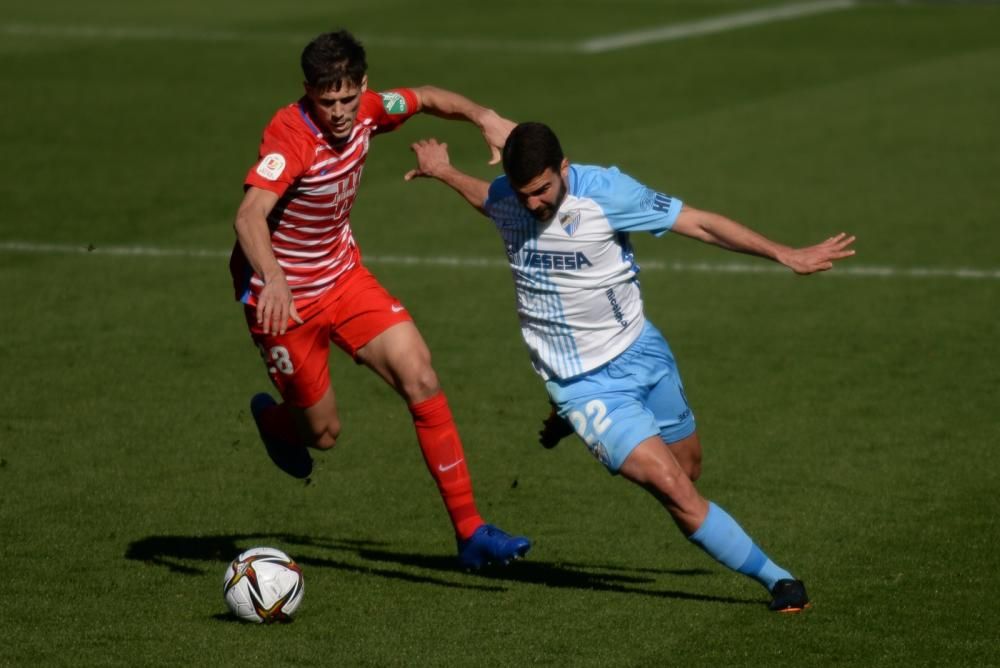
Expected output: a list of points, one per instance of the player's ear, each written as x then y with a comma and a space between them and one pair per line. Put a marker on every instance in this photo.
364, 83
564, 168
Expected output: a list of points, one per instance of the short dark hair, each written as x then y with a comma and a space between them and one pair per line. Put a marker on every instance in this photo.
530, 149
332, 59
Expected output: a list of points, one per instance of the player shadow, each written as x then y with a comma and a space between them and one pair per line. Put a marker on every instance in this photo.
566, 575
174, 552
368, 557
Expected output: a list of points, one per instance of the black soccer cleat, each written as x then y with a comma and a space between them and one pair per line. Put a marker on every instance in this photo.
292, 458
554, 429
789, 596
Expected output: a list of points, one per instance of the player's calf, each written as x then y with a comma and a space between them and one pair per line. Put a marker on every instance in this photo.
276, 429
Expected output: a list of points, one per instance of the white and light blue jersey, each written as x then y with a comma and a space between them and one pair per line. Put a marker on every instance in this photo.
578, 297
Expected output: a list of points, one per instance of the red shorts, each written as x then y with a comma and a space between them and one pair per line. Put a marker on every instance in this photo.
352, 313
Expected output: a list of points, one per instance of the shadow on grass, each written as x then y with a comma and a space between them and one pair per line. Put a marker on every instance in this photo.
174, 551
373, 558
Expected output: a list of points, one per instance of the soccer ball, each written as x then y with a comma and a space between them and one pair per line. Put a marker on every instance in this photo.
263, 585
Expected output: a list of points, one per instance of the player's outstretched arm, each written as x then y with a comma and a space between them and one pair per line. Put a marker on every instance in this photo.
720, 231
274, 304
446, 104
433, 162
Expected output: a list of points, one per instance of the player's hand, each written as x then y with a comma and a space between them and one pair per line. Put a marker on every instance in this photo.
495, 129
820, 257
275, 306
431, 158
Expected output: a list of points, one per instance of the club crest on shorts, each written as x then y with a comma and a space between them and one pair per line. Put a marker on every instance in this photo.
271, 166
600, 453
569, 221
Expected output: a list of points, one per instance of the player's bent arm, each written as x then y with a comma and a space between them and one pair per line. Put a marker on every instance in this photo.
253, 234
433, 162
447, 104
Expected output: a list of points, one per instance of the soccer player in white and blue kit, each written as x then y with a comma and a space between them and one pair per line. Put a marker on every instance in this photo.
608, 371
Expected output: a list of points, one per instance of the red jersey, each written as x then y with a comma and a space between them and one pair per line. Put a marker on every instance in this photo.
316, 184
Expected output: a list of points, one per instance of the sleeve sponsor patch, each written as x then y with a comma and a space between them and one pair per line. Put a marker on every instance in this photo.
271, 166
647, 199
394, 103
656, 201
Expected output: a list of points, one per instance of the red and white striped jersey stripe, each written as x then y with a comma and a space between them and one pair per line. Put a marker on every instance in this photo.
316, 184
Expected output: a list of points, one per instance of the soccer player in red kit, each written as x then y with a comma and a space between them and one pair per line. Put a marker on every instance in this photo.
299, 274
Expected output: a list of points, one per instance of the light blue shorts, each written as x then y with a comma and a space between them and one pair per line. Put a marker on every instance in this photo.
634, 396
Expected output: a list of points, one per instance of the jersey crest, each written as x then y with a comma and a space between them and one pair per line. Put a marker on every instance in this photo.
570, 220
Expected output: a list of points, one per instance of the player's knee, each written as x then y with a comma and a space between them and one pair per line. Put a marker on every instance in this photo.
666, 483
420, 383
692, 467
326, 438
672, 485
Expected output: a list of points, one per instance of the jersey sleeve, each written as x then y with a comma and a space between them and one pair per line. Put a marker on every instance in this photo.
499, 189
280, 161
629, 205
390, 109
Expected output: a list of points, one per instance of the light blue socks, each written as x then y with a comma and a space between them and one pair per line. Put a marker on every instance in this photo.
728, 543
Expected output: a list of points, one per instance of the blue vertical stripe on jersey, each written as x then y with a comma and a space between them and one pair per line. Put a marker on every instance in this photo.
562, 335
628, 255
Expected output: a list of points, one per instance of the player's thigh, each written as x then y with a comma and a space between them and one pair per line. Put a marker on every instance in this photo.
666, 398
674, 417
297, 361
376, 330
399, 355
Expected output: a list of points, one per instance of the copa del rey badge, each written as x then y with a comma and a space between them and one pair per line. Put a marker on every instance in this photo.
569, 221
271, 166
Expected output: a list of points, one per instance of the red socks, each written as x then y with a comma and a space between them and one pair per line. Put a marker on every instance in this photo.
445, 459
441, 447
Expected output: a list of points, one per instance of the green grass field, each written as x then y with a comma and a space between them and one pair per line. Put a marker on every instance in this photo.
850, 420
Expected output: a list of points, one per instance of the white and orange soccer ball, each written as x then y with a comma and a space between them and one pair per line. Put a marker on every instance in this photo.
263, 585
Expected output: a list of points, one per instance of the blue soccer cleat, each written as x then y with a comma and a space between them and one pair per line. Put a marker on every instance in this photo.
490, 545
292, 458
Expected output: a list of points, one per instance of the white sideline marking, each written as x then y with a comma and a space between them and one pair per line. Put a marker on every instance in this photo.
763, 267
603, 44
717, 24
136, 33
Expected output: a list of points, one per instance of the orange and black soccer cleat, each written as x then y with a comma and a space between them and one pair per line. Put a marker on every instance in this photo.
789, 596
